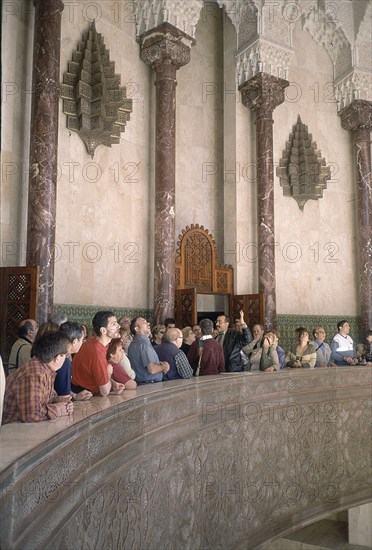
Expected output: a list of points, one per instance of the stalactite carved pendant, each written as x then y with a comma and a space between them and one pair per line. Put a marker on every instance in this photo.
95, 104
302, 171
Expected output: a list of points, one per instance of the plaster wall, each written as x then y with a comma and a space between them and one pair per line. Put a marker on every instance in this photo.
315, 255
199, 182
104, 238
104, 234
316, 245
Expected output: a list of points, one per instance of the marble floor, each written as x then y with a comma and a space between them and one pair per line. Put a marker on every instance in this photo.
326, 534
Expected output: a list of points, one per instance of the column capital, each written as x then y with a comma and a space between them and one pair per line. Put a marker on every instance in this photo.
168, 44
357, 115
263, 93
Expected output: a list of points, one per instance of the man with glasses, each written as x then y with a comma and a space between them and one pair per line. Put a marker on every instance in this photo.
170, 351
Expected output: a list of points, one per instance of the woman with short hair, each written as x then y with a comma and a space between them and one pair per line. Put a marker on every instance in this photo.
302, 354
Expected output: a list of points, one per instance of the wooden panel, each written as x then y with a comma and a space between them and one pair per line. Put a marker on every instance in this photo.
251, 304
18, 299
196, 263
186, 307
223, 280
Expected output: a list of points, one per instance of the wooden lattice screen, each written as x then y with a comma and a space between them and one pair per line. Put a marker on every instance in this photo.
253, 306
18, 300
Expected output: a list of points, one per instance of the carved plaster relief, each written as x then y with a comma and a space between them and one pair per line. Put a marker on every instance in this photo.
264, 39
95, 104
302, 171
153, 13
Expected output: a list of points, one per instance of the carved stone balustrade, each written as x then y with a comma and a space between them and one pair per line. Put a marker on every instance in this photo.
164, 467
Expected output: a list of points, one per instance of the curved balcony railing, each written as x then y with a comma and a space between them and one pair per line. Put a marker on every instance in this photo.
222, 462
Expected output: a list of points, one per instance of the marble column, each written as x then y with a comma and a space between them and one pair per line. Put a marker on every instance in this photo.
165, 49
43, 149
357, 118
263, 93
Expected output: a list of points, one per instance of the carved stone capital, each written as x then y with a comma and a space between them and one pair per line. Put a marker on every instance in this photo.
263, 93
357, 115
166, 44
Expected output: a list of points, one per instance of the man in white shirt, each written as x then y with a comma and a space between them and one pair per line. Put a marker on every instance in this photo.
342, 346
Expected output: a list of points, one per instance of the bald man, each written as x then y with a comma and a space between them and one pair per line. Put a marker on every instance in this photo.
169, 350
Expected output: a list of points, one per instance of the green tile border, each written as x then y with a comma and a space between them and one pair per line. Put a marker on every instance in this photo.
85, 314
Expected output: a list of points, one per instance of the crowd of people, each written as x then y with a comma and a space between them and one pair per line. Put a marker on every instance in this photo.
57, 363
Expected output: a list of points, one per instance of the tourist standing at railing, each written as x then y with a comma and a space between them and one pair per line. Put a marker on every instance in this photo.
30, 395
124, 323
169, 350
302, 354
265, 358
62, 384
232, 341
21, 349
205, 354
89, 365
342, 346
258, 332
323, 350
188, 338
142, 355
114, 355
157, 334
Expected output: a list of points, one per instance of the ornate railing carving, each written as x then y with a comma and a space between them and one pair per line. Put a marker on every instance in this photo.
271, 452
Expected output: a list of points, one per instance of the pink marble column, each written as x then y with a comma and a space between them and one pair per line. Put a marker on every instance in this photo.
165, 49
263, 93
357, 118
43, 149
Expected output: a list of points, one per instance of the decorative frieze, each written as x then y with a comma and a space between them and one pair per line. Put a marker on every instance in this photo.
263, 56
302, 171
356, 85
153, 13
324, 31
95, 104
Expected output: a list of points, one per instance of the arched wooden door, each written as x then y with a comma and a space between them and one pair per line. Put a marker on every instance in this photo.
197, 272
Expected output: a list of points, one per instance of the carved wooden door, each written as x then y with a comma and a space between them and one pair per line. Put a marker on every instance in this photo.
252, 305
18, 300
186, 307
